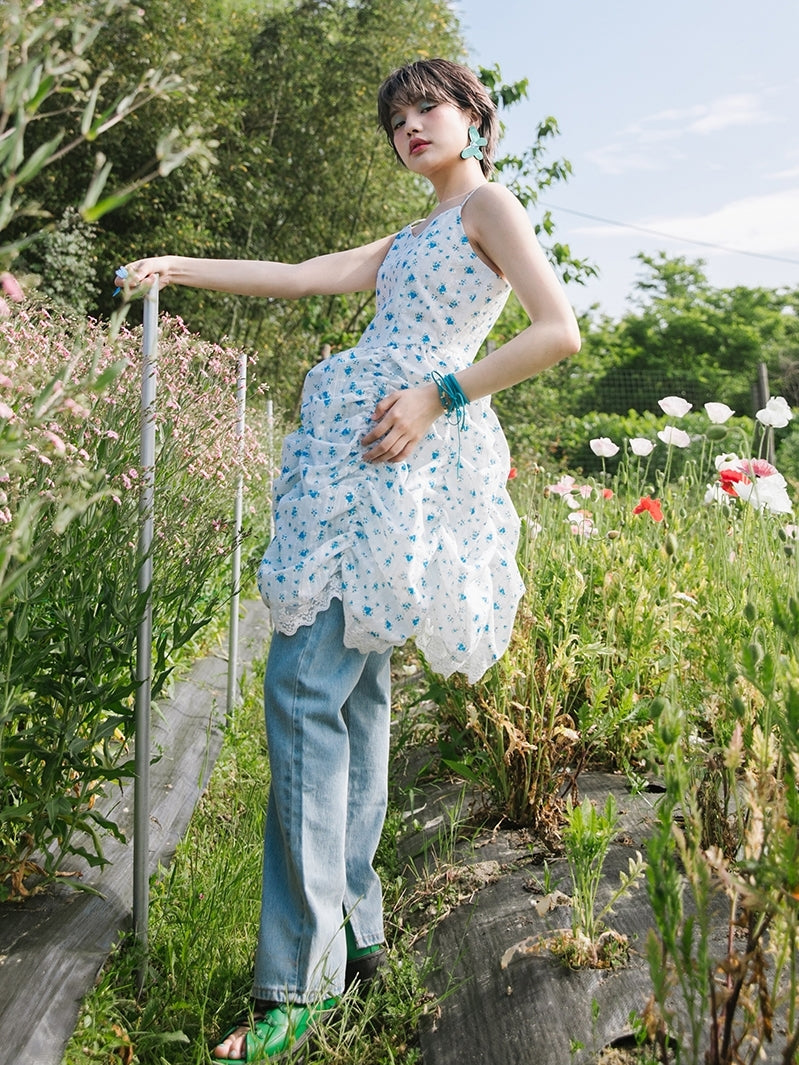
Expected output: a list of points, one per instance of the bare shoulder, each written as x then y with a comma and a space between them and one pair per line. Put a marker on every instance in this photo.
500, 230
494, 203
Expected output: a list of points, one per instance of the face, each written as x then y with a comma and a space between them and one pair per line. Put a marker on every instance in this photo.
429, 133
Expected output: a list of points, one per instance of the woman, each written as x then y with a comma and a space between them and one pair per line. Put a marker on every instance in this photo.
392, 520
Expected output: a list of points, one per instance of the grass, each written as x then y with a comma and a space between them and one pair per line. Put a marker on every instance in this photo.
203, 923
659, 640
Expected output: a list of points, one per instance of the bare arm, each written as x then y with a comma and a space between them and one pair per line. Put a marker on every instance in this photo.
498, 228
344, 271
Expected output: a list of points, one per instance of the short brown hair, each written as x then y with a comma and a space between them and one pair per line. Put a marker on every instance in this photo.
439, 80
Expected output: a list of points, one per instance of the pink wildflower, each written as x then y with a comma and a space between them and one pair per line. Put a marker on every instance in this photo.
11, 287
564, 486
55, 440
581, 523
758, 467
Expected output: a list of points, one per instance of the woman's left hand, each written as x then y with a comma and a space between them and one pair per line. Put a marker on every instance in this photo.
401, 420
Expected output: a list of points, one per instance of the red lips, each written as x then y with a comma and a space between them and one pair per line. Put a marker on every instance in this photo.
416, 144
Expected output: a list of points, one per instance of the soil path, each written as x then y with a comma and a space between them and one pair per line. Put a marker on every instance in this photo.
53, 946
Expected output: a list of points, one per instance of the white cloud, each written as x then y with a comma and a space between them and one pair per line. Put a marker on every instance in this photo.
737, 109
643, 145
766, 225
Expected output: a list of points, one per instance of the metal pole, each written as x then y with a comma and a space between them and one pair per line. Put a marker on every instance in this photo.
233, 634
270, 424
767, 432
144, 639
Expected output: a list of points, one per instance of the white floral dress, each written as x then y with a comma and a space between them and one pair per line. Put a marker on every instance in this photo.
424, 548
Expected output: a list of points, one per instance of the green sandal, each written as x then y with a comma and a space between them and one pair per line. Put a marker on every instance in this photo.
279, 1031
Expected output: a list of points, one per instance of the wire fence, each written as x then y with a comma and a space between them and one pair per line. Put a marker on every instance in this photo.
146, 578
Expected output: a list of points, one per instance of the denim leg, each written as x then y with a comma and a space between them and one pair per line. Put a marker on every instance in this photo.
327, 722
367, 713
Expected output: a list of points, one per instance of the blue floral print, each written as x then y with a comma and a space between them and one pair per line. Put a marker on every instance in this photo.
425, 548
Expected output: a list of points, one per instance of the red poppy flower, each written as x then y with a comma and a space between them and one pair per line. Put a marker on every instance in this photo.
729, 478
651, 506
512, 474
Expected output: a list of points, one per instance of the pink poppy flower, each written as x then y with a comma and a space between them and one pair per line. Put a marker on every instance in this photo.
564, 486
581, 523
758, 467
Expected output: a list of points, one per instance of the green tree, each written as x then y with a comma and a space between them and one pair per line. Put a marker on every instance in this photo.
687, 338
286, 97
681, 337
55, 102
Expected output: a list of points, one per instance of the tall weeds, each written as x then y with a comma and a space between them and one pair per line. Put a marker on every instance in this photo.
69, 428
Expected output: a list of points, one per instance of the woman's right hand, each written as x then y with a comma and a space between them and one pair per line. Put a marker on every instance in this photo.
142, 272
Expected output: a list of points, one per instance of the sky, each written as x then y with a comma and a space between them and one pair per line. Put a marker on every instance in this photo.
681, 123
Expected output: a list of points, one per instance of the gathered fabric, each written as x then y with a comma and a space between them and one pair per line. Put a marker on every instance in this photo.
424, 548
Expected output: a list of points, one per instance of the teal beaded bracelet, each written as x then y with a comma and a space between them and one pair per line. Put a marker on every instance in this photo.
453, 399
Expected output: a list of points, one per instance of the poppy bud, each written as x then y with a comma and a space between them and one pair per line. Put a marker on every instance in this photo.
658, 705
738, 706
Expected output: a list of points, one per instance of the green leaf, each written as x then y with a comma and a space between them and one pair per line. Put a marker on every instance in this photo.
40, 158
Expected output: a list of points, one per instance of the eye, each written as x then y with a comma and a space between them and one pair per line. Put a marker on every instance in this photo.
426, 105
397, 122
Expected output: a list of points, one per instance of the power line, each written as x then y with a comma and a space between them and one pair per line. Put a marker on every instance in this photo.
671, 236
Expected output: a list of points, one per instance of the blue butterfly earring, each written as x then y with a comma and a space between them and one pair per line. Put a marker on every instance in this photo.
476, 142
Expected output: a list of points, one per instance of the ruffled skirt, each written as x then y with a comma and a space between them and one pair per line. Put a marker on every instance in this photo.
425, 548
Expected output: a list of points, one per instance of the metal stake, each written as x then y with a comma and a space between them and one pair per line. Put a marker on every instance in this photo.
233, 635
141, 813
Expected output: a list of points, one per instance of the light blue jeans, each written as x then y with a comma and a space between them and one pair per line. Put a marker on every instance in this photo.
327, 711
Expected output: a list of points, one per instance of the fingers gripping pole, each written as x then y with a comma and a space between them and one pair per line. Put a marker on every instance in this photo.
141, 822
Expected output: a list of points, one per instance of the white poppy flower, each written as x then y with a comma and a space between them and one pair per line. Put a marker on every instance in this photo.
639, 445
603, 446
674, 406
776, 413
719, 413
766, 493
677, 437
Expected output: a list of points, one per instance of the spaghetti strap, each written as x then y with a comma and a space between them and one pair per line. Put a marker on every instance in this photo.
469, 196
